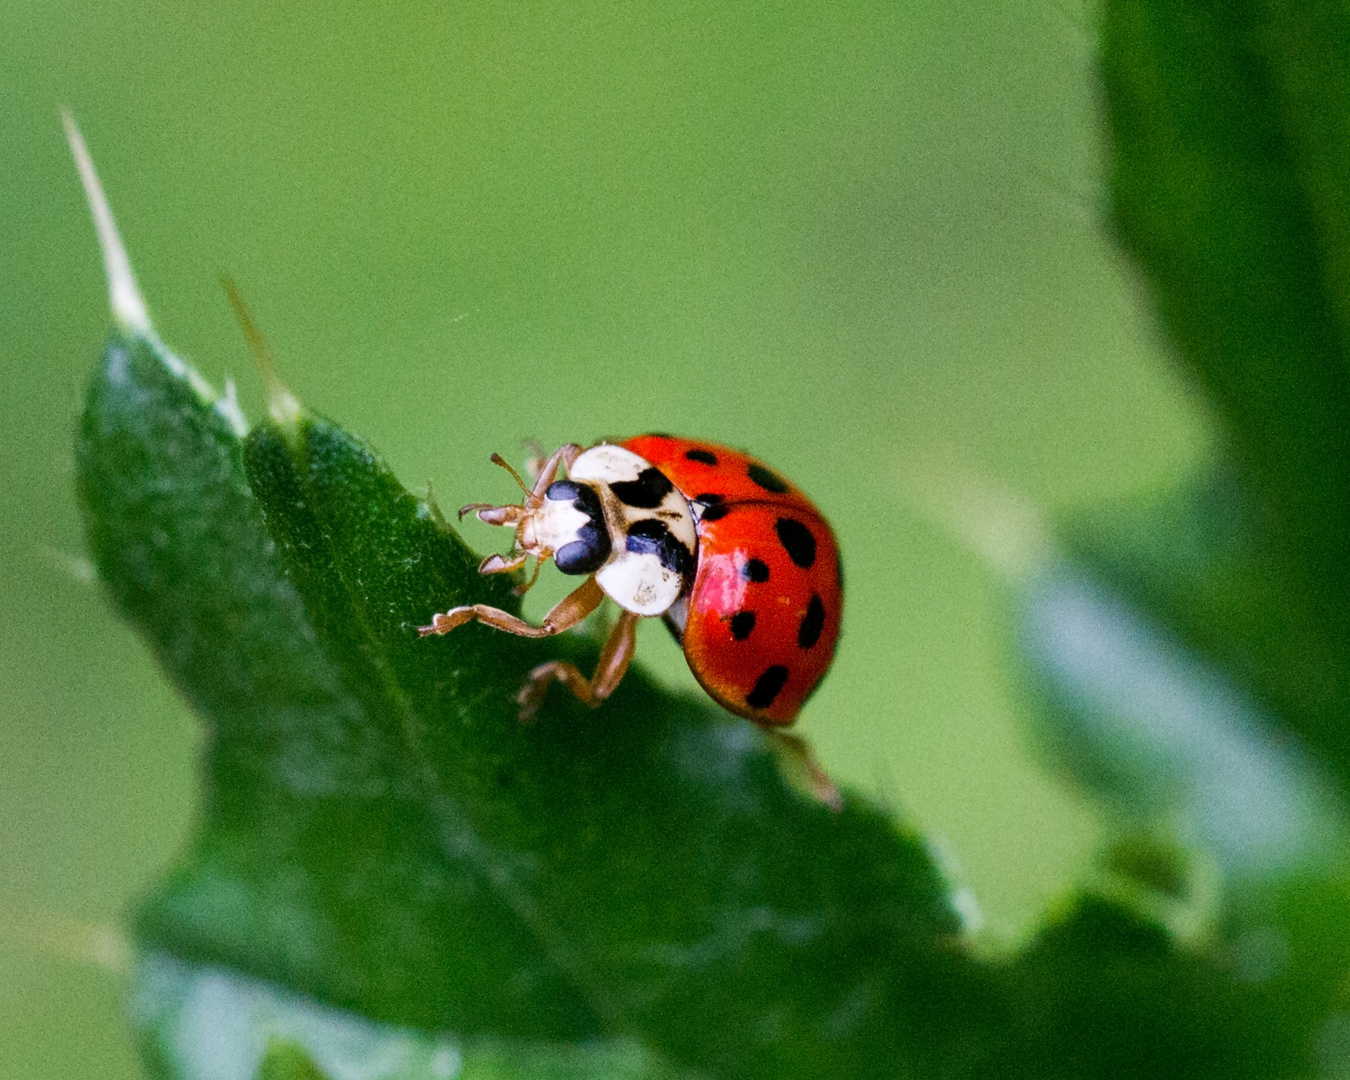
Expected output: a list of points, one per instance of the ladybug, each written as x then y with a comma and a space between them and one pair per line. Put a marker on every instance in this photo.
738, 562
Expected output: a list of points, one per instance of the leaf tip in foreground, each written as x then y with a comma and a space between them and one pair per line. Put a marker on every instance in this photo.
283, 406
124, 295
128, 306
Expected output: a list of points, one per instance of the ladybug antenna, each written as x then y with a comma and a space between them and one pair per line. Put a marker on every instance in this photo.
497, 459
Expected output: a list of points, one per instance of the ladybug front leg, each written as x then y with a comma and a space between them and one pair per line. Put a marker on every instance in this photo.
568, 611
614, 659
548, 472
492, 514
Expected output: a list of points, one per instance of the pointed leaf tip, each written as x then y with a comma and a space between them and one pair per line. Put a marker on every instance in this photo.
283, 406
124, 296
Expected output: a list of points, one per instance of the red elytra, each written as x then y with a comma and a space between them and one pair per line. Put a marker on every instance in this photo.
765, 606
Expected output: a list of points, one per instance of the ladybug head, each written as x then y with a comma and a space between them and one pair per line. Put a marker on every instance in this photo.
615, 516
566, 523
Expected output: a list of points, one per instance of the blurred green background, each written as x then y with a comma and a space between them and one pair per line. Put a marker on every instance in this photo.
862, 240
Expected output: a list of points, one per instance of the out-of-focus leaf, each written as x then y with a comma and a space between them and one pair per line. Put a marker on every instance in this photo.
1167, 735
1104, 994
287, 1061
212, 1023
1230, 183
1205, 562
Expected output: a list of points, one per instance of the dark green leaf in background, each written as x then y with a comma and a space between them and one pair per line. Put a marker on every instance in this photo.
1183, 634
1230, 184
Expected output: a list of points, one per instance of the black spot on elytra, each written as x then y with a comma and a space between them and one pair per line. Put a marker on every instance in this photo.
659, 435
592, 547
797, 540
813, 622
767, 687
644, 493
756, 570
651, 537
709, 498
705, 457
768, 480
716, 512
741, 624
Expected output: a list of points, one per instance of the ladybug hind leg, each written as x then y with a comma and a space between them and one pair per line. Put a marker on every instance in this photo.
798, 764
609, 672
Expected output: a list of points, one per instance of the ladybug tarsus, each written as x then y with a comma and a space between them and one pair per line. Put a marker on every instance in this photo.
609, 672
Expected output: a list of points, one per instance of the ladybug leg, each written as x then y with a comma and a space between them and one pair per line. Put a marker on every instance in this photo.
535, 458
548, 471
526, 586
614, 658
801, 768
492, 514
500, 564
568, 611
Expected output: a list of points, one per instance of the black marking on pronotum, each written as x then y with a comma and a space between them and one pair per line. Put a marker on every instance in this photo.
588, 552
563, 491
765, 478
756, 570
705, 457
741, 624
715, 512
797, 540
651, 537
813, 622
767, 687
644, 493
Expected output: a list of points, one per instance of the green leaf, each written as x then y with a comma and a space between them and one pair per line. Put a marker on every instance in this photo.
211, 1023
1230, 185
1168, 740
382, 833
1202, 563
288, 1061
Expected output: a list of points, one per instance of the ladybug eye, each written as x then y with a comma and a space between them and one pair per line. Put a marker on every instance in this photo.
583, 556
563, 491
